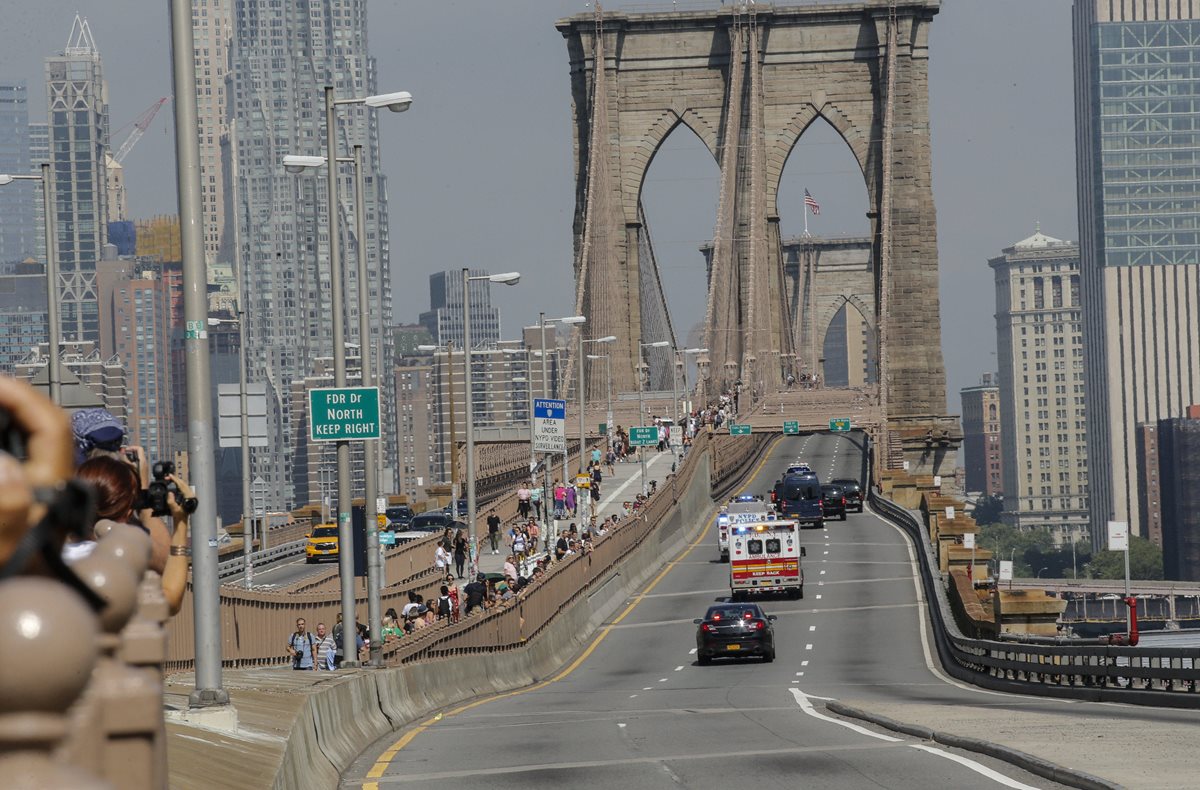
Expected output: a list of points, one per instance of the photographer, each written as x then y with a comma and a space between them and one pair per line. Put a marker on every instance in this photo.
121, 498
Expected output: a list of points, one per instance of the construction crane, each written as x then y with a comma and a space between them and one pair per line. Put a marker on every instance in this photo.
140, 125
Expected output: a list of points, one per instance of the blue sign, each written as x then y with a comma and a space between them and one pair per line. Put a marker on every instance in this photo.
550, 409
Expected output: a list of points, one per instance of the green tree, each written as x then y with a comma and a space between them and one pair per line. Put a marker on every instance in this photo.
1027, 548
1145, 562
987, 510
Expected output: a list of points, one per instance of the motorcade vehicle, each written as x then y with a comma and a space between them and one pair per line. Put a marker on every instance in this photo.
399, 517
854, 493
833, 501
461, 508
742, 509
322, 543
431, 521
734, 630
798, 468
764, 557
798, 497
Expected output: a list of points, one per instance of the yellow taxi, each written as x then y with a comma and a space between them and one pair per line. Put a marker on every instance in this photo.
322, 542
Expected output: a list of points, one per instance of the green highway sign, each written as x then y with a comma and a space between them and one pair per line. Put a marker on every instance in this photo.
841, 424
343, 414
739, 430
791, 427
646, 436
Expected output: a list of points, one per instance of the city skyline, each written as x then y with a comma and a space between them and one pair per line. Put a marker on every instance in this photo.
1007, 128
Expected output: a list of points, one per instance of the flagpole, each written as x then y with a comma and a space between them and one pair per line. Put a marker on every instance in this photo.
806, 219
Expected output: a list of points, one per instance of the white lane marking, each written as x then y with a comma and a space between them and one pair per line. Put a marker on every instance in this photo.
647, 688
822, 573
808, 646
807, 707
801, 674
826, 545
621, 724
803, 663
812, 628
692, 652
978, 768
662, 680
819, 597
678, 668
631, 696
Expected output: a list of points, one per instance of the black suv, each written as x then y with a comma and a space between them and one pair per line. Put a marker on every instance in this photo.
854, 493
833, 501
399, 517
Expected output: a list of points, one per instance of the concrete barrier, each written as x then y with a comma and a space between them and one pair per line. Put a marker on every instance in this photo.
301, 729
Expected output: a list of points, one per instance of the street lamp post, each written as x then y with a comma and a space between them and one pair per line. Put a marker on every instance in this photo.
53, 329
608, 371
453, 432
684, 352
641, 401
396, 102
508, 278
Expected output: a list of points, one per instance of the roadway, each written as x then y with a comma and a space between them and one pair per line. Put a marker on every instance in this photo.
636, 710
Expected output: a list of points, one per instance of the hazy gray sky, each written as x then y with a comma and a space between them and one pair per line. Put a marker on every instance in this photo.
481, 169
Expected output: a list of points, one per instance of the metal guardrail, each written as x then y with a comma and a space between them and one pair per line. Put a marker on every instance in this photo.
1163, 676
234, 567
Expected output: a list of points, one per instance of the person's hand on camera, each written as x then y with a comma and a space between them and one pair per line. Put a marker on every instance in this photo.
176, 504
141, 464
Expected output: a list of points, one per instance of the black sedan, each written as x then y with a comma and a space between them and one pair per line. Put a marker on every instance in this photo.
833, 501
734, 630
854, 492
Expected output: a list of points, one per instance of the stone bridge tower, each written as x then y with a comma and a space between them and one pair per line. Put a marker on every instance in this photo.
748, 81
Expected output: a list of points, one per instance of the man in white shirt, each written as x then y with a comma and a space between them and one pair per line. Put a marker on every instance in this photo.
441, 558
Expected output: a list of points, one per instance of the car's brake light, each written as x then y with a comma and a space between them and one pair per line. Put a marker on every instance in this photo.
748, 615
706, 627
843, 500
759, 625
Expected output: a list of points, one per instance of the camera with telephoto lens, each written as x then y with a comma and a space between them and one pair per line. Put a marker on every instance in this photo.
157, 493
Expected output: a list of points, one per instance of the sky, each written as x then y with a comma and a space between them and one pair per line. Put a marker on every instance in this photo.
481, 170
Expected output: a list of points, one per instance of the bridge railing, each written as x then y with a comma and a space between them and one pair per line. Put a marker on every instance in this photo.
1163, 676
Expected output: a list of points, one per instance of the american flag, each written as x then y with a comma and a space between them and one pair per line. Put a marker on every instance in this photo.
812, 204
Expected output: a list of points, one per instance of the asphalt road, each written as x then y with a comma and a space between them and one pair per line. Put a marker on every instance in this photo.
639, 712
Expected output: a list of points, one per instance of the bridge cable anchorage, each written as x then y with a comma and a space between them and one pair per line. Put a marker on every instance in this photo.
885, 230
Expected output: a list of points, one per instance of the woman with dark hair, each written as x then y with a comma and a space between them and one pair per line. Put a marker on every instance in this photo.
119, 498
460, 552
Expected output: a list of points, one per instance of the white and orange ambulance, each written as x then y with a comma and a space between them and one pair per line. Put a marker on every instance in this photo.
764, 557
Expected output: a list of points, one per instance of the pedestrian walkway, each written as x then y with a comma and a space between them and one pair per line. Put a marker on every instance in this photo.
620, 487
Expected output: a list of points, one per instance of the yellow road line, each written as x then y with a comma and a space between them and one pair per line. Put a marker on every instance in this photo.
385, 759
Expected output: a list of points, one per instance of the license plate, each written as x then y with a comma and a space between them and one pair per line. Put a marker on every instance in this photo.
733, 647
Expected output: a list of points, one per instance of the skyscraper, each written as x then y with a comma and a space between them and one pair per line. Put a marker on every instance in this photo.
77, 106
444, 320
39, 152
981, 437
284, 54
212, 32
1137, 153
18, 198
1043, 435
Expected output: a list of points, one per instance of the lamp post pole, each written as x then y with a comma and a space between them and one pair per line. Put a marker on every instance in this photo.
674, 401
371, 448
54, 330
582, 406
345, 531
205, 586
546, 394
641, 415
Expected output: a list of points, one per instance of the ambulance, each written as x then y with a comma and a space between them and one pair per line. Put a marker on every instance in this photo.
743, 509
764, 557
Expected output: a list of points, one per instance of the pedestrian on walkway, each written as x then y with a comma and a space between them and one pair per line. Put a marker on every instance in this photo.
326, 649
533, 532
475, 592
303, 647
493, 523
570, 500
519, 543
609, 461
460, 552
445, 607
523, 495
441, 557
535, 501
595, 455
560, 498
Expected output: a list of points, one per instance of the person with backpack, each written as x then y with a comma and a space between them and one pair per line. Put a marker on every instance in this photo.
444, 604
519, 543
303, 647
